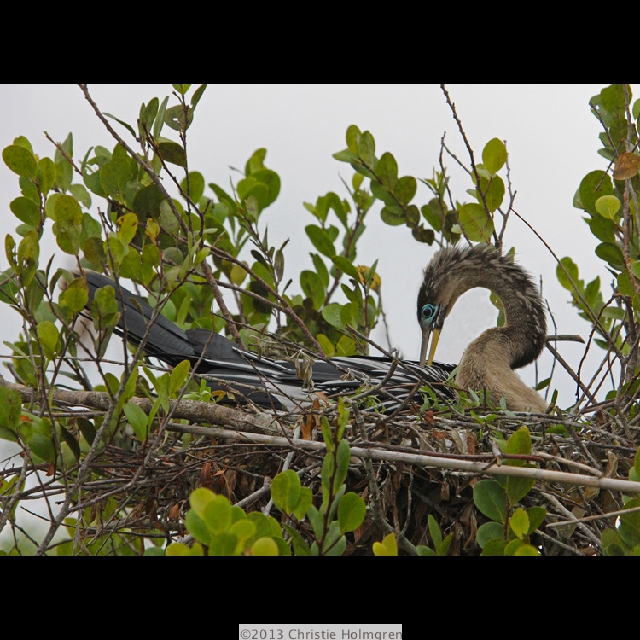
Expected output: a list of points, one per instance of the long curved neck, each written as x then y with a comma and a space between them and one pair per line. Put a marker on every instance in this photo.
524, 331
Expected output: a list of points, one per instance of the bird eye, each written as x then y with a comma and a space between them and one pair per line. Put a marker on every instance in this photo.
429, 313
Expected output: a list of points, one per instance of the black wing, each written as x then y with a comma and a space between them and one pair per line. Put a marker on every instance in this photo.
279, 384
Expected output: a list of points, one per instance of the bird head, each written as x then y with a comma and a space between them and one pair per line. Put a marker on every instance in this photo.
446, 277
431, 317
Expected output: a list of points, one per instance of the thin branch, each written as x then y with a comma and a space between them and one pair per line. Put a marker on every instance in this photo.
420, 460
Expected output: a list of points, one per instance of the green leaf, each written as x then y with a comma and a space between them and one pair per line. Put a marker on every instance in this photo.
197, 528
243, 529
493, 190
607, 206
516, 487
318, 263
346, 266
67, 211
285, 491
115, 174
138, 420
627, 288
20, 161
217, 515
26, 210
266, 526
313, 287
200, 498
613, 99
568, 275
147, 201
304, 502
172, 152
300, 546
367, 149
494, 547
79, 192
489, 531
333, 535
315, 520
126, 125
351, 512
46, 175
391, 218
629, 528
264, 547
491, 499
519, 522
223, 544
494, 155
256, 161
405, 190
475, 221
10, 408
159, 118
197, 95
611, 543
352, 137
388, 546
326, 344
176, 549
64, 169
331, 313
434, 531
593, 186
128, 227
48, 337
602, 228
526, 550
387, 171
536, 517
320, 240
519, 443
178, 377
148, 113
271, 180
176, 118
349, 314
194, 188
611, 253
346, 347
338, 548
42, 446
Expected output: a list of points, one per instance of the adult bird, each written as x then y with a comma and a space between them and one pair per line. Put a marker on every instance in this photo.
488, 362
486, 365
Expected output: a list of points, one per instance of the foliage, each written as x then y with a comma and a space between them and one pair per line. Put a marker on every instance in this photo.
510, 527
610, 202
132, 475
226, 530
624, 540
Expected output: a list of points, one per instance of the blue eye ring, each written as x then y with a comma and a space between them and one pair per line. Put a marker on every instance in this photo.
429, 312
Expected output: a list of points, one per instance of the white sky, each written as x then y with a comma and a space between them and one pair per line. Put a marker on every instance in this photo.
550, 133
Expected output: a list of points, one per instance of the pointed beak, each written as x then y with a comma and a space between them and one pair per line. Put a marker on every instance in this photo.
426, 332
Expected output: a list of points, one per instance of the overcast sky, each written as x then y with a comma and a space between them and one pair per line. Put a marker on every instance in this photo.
551, 136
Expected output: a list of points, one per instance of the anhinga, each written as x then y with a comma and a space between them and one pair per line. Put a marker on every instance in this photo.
486, 364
